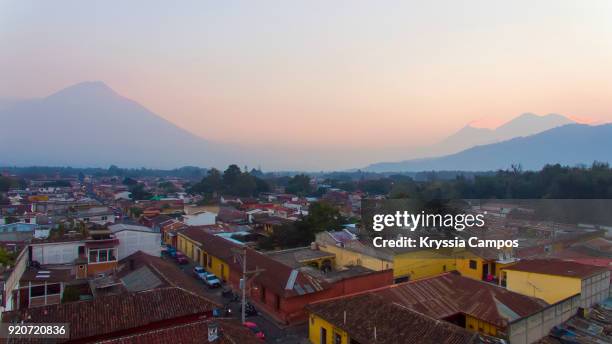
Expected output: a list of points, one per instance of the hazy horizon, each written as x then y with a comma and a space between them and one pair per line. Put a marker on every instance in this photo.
342, 84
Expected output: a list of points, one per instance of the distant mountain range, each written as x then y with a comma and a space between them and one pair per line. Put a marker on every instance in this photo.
570, 144
88, 124
469, 136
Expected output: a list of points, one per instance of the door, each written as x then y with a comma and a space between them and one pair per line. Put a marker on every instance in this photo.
485, 271
323, 335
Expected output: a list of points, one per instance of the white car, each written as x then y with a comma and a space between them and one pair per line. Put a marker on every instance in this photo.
212, 281
200, 273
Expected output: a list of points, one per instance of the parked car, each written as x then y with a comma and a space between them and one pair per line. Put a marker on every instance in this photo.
181, 258
199, 272
255, 329
229, 294
212, 281
171, 251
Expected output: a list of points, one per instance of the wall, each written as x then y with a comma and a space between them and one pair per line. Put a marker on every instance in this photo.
549, 288
480, 326
595, 289
314, 331
56, 253
12, 282
462, 263
216, 266
200, 219
133, 241
423, 263
531, 329
291, 309
346, 257
192, 250
95, 268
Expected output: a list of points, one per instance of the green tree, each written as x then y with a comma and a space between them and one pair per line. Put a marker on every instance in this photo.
299, 185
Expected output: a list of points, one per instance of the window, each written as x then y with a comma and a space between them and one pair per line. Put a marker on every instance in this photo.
337, 338
102, 255
53, 288
473, 264
276, 302
209, 261
93, 256
38, 290
323, 335
104, 218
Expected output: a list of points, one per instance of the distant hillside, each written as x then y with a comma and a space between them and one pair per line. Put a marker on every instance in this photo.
570, 144
88, 124
469, 136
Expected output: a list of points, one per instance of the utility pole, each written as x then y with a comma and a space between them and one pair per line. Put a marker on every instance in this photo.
242, 254
244, 271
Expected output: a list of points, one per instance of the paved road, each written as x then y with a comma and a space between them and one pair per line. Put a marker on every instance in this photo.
274, 332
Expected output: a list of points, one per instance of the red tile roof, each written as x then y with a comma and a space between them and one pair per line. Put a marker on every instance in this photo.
213, 244
369, 318
168, 272
449, 294
231, 332
278, 277
557, 267
117, 313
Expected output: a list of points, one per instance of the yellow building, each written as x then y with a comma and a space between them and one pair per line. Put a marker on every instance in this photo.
407, 264
436, 308
322, 331
556, 280
447, 301
482, 264
208, 250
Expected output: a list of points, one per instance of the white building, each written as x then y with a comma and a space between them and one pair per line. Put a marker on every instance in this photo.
64, 252
200, 218
97, 215
134, 238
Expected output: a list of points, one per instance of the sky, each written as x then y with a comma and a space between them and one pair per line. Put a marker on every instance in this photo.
364, 79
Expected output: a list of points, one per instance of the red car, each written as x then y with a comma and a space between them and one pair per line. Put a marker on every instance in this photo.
255, 329
181, 258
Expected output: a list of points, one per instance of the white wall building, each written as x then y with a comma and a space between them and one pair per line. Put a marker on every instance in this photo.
201, 218
134, 238
57, 253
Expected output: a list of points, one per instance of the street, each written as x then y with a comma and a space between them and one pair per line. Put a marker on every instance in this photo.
274, 332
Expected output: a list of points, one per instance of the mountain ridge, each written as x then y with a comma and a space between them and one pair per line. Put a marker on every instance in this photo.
570, 144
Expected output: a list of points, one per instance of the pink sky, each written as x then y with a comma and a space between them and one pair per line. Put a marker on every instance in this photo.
348, 74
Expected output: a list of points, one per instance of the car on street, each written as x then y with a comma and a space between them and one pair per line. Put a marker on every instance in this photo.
199, 272
255, 329
181, 258
212, 281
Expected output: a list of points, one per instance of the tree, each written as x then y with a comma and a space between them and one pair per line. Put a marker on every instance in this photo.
231, 175
299, 185
138, 192
6, 258
167, 187
129, 181
321, 217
